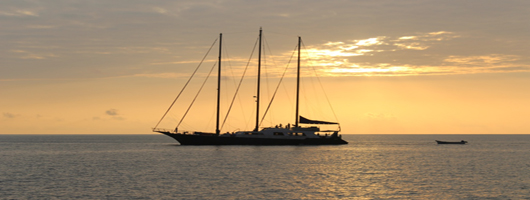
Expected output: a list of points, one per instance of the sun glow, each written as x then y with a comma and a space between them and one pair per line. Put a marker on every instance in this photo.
369, 71
315, 53
408, 55
403, 56
370, 41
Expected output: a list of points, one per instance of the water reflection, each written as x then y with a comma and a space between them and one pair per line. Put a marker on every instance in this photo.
370, 167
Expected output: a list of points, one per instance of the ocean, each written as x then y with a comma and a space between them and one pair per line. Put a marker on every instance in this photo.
370, 167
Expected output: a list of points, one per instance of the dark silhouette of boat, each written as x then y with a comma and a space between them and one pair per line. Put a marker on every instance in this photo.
278, 135
447, 142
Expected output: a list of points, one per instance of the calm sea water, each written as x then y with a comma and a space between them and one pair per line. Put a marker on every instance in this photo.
370, 167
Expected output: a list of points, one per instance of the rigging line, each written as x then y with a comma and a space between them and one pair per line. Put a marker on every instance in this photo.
185, 85
265, 67
288, 97
193, 101
233, 80
226, 58
266, 74
239, 85
279, 83
324, 91
230, 66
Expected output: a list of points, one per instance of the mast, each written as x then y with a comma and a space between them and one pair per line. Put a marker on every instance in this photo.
259, 77
298, 83
217, 131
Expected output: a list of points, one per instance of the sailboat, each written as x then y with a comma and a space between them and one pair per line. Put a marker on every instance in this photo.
310, 134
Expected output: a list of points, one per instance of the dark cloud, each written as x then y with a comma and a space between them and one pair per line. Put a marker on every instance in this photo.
9, 115
112, 112
93, 39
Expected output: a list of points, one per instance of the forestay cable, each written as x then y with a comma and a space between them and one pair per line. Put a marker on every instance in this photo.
185, 85
203, 83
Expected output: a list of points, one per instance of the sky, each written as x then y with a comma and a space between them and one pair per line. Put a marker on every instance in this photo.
385, 67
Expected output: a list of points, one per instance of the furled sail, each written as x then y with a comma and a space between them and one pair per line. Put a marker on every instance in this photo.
304, 120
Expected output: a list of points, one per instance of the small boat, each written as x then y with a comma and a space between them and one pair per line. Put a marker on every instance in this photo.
447, 142
297, 134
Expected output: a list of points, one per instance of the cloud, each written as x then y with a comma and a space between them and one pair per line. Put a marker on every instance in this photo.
385, 56
386, 69
492, 59
30, 55
142, 39
403, 56
182, 62
40, 26
9, 115
412, 45
160, 10
379, 44
112, 112
19, 13
370, 41
423, 41
162, 75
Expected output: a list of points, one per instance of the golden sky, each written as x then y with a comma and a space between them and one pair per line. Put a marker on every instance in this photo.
388, 67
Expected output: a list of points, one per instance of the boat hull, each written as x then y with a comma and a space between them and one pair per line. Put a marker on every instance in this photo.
212, 139
445, 142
